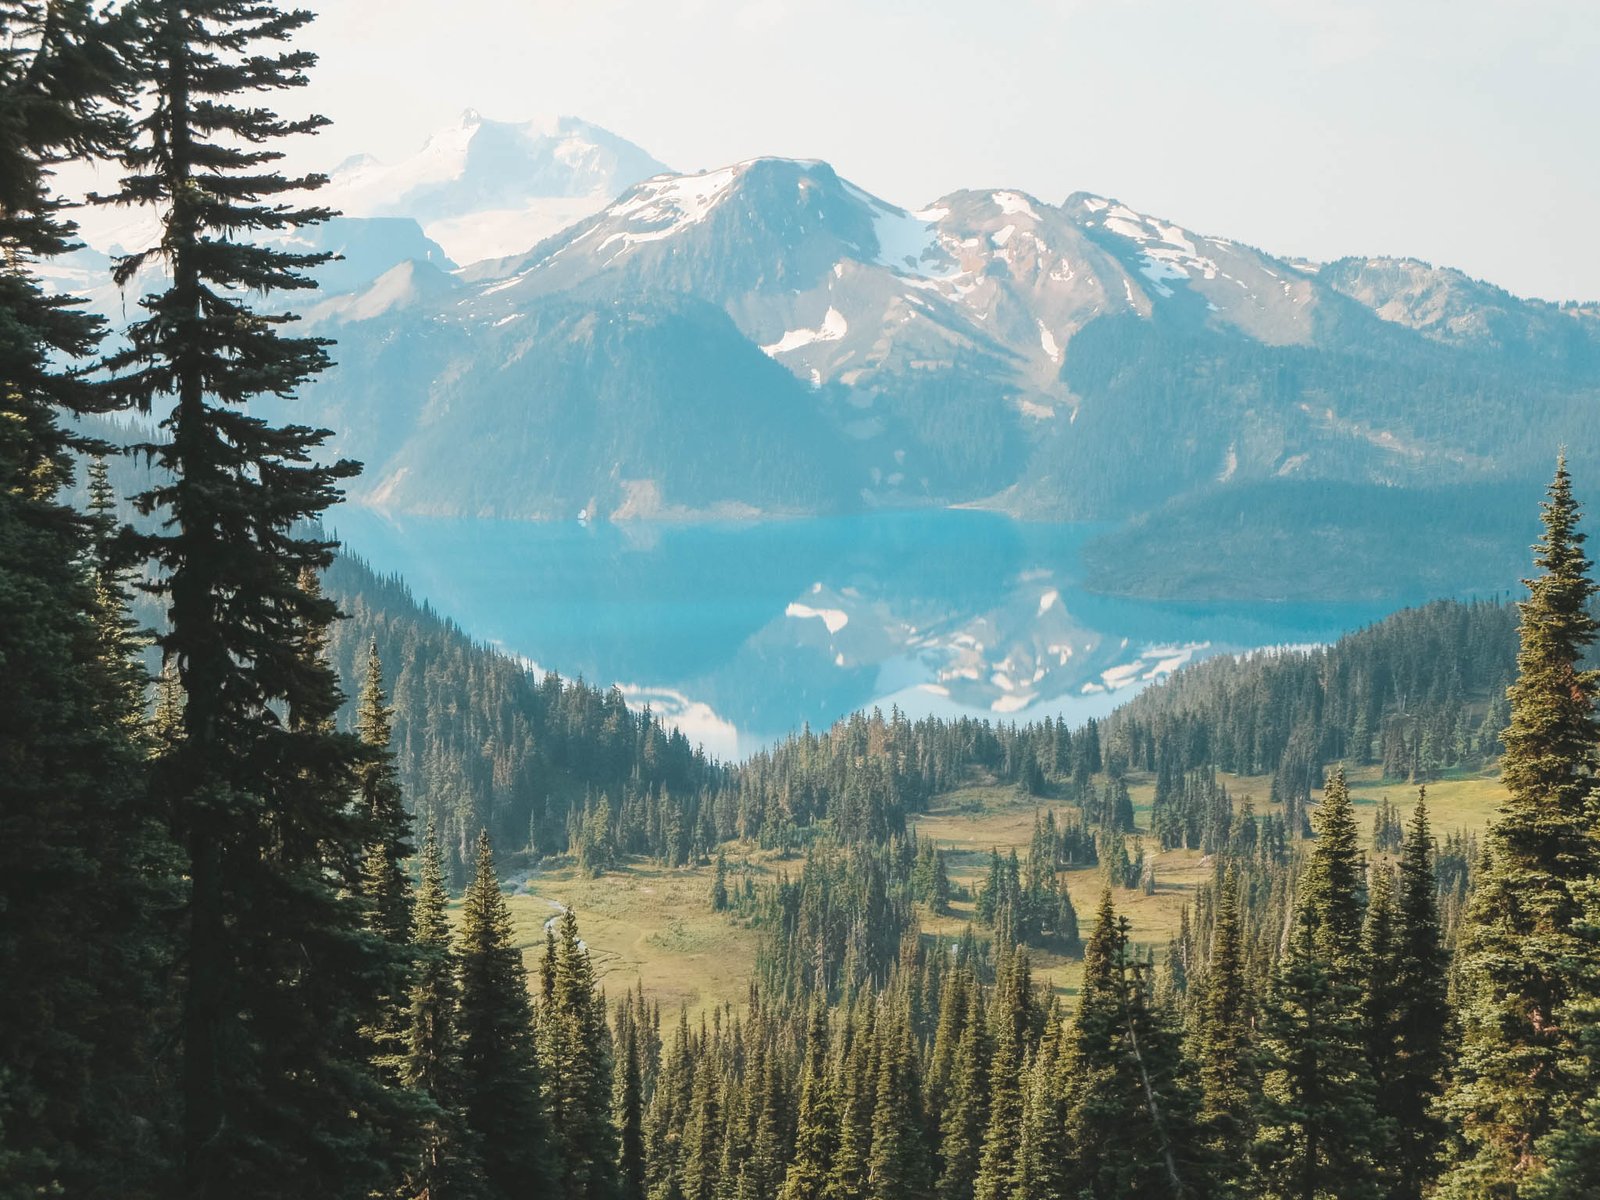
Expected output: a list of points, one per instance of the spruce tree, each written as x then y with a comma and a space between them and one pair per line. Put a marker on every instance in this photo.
500, 1085
965, 1113
1524, 965
898, 1166
1131, 1111
1044, 1150
84, 861
816, 1134
575, 1061
1571, 1151
1011, 1020
1332, 888
1421, 1021
1319, 1128
446, 1164
385, 882
703, 1136
630, 1116
762, 1172
280, 975
855, 1088
1224, 1049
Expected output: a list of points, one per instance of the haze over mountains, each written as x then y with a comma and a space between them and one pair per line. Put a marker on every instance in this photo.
769, 339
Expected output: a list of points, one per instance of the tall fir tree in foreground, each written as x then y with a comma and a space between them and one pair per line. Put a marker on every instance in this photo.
386, 892
281, 977
898, 1168
1527, 967
1010, 1017
500, 1093
964, 1116
1571, 1151
84, 862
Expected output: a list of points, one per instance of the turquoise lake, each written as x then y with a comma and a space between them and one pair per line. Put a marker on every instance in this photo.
741, 632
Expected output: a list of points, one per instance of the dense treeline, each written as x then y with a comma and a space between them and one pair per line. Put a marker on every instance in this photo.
228, 966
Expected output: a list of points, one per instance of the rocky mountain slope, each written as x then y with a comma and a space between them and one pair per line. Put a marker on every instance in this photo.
770, 338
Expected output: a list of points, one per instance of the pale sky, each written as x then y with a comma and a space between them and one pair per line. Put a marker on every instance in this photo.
1464, 132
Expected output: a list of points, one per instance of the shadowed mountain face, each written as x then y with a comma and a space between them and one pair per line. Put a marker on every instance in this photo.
769, 338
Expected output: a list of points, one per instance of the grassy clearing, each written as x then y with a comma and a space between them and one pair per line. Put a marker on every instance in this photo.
648, 922
643, 921
972, 820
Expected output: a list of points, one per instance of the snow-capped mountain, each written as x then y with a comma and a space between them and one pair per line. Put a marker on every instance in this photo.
770, 337
478, 189
483, 188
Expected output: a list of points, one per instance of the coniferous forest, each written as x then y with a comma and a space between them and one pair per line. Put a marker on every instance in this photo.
253, 939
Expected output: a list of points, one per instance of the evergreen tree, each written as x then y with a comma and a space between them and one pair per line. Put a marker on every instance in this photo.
1317, 1117
762, 1173
446, 1166
1332, 889
1421, 1023
1572, 1150
898, 1166
630, 1117
83, 857
702, 1151
719, 884
1380, 1015
965, 1113
574, 1052
848, 1178
816, 1132
280, 975
1044, 1152
1131, 1113
1523, 963
500, 1089
1224, 1049
1011, 1021
385, 883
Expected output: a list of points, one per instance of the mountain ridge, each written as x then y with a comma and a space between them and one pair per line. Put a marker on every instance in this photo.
941, 354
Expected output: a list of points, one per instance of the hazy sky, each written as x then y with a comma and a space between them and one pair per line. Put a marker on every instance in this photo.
1465, 132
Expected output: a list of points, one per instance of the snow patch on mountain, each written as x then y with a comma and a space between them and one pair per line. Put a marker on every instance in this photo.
835, 619
1047, 341
833, 327
663, 207
1013, 204
908, 242
1167, 253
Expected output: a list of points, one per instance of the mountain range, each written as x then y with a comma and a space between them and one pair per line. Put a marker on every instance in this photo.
769, 338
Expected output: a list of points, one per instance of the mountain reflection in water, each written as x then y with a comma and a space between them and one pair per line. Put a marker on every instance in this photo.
741, 632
